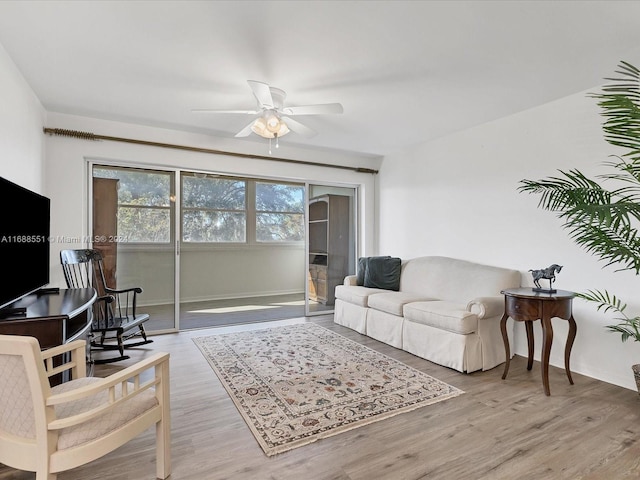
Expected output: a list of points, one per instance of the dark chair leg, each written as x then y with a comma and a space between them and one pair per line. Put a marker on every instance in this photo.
142, 332
120, 342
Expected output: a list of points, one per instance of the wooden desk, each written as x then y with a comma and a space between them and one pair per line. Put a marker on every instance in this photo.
54, 318
525, 305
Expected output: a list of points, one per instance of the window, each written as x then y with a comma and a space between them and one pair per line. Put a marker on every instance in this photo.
144, 204
213, 209
279, 212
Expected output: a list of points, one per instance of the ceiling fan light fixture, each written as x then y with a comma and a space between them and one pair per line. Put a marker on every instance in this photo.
273, 123
270, 126
283, 129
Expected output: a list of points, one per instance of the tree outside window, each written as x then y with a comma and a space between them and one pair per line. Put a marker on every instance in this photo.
279, 212
213, 209
144, 204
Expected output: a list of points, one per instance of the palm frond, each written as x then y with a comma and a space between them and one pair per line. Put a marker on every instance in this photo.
563, 193
621, 246
620, 104
605, 301
629, 327
628, 171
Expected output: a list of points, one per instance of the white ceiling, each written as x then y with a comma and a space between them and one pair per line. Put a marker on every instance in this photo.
405, 72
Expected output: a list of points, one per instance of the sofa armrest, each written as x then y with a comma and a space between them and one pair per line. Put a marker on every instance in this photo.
487, 306
351, 280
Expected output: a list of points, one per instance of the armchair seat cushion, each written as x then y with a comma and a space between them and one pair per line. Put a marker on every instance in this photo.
392, 302
85, 432
448, 316
356, 295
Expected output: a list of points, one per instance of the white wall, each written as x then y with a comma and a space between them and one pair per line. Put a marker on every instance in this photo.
66, 183
457, 196
21, 121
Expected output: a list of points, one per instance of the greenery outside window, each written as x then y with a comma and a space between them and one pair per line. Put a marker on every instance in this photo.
279, 212
213, 209
144, 204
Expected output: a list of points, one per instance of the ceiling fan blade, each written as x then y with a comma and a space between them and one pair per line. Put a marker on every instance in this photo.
299, 128
319, 109
246, 131
262, 92
205, 110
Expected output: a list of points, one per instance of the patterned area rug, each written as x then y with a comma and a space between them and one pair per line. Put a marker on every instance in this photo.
298, 383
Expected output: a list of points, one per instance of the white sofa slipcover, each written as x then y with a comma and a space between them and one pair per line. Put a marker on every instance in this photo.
447, 311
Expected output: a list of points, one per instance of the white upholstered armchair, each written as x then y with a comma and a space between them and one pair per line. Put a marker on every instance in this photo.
48, 430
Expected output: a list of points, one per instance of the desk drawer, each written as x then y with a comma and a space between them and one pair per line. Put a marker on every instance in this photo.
522, 309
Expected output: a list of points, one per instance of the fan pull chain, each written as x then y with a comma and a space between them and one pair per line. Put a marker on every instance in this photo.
269, 146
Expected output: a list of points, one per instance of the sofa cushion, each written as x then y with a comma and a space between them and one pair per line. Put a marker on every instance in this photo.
392, 302
449, 316
455, 280
356, 295
383, 273
362, 269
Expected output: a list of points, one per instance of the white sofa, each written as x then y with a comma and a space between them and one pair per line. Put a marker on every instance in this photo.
447, 311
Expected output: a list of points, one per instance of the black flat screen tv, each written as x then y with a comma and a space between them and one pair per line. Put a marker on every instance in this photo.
24, 241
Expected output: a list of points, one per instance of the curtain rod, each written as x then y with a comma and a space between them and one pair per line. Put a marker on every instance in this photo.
94, 137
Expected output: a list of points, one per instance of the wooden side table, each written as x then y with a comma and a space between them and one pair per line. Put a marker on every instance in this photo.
525, 305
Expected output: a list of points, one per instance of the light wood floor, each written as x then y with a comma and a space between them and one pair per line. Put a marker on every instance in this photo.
496, 430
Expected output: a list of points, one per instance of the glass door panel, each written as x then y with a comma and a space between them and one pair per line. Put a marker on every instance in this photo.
242, 250
331, 244
133, 227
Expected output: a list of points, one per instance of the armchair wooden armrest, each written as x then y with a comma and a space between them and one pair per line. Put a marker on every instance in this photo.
72, 357
130, 383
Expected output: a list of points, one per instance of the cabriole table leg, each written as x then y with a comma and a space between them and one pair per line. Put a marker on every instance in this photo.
505, 339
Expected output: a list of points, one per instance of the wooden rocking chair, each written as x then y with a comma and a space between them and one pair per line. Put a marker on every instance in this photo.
114, 313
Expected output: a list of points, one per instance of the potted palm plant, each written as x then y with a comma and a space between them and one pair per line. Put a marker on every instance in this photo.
605, 221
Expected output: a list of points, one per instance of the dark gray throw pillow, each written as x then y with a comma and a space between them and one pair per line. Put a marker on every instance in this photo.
362, 269
383, 272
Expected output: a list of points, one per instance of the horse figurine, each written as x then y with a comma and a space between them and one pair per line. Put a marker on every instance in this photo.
548, 273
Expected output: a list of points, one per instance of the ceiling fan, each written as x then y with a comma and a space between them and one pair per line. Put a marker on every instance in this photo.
274, 119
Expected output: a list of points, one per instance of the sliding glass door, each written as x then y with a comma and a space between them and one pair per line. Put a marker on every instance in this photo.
211, 250
331, 244
241, 250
